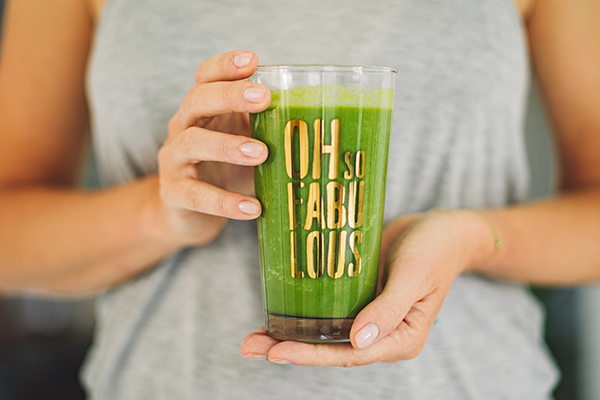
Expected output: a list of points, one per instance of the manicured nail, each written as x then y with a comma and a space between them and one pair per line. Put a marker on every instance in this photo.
242, 60
366, 336
282, 362
249, 207
255, 356
251, 149
254, 94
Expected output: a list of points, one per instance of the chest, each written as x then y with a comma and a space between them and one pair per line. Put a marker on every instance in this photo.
523, 7
455, 59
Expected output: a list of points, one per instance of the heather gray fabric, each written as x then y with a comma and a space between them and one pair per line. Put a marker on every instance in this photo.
175, 331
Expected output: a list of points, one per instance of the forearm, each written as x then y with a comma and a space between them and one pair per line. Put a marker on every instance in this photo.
75, 241
554, 241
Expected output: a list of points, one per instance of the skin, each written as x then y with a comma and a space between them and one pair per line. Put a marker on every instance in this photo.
88, 241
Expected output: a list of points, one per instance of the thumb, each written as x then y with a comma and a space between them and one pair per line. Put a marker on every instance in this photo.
379, 318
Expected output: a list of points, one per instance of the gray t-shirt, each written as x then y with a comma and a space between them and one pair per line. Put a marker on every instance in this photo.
175, 331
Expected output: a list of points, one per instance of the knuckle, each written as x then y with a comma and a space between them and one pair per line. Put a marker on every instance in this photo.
403, 347
172, 125
162, 188
189, 100
413, 349
346, 364
162, 156
165, 158
167, 195
350, 362
187, 141
225, 63
175, 123
198, 75
413, 353
229, 93
195, 197
200, 71
233, 93
220, 203
393, 311
222, 145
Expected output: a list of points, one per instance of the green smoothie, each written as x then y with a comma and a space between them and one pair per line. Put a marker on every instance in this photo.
322, 191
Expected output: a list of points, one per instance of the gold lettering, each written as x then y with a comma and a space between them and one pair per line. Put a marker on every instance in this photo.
323, 219
356, 206
315, 236
332, 271
360, 164
356, 238
336, 212
319, 128
349, 174
333, 149
290, 127
314, 207
293, 201
294, 257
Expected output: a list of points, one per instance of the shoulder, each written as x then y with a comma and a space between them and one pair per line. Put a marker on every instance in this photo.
564, 39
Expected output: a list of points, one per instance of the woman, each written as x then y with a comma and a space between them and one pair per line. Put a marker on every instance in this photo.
169, 241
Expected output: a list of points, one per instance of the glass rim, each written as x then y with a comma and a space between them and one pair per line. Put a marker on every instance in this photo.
324, 68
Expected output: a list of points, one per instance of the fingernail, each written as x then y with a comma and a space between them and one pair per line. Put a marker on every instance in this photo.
366, 336
242, 60
255, 356
251, 149
282, 362
249, 207
254, 94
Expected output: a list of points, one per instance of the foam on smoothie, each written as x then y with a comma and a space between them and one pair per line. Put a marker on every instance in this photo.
334, 95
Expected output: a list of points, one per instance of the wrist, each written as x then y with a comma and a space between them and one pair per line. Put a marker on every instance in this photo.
153, 220
472, 234
480, 237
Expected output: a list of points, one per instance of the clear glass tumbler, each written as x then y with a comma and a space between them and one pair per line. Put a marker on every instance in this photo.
322, 189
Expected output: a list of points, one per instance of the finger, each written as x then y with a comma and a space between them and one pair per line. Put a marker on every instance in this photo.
256, 345
380, 317
393, 314
193, 195
411, 335
215, 98
405, 342
231, 66
403, 287
195, 145
335, 354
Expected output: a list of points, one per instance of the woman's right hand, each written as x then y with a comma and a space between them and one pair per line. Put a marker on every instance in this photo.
90, 240
205, 174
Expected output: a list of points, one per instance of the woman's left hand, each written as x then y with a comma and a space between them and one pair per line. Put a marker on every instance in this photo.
421, 256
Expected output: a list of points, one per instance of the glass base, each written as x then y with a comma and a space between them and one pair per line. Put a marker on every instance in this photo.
309, 330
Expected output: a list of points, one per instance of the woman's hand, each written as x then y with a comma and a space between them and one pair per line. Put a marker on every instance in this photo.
92, 240
204, 165
423, 255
